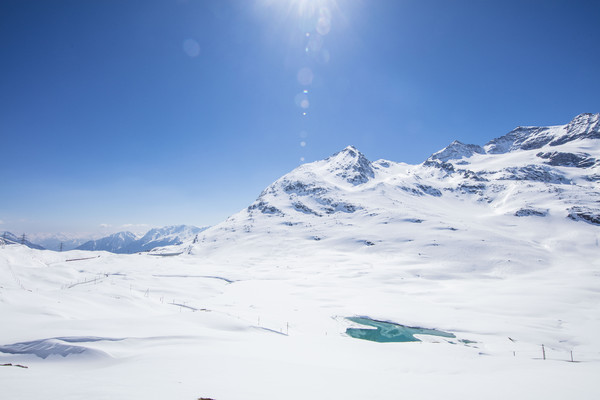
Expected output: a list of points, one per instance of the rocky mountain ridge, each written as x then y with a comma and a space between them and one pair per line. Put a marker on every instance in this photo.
545, 172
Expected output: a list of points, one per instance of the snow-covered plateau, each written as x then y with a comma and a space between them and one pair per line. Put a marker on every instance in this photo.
498, 245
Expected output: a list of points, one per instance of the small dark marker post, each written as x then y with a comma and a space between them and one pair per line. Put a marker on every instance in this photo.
543, 352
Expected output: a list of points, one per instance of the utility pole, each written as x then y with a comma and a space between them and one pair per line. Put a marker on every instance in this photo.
61, 246
23, 238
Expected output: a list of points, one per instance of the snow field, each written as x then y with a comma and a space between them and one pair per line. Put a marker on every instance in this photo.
485, 246
277, 330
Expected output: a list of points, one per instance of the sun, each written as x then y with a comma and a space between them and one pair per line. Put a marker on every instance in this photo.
311, 8
304, 9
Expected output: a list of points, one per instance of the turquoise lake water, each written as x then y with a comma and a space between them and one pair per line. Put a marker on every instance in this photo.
389, 331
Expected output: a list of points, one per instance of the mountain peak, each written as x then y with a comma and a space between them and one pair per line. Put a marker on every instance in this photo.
585, 117
585, 126
351, 149
351, 165
115, 242
456, 150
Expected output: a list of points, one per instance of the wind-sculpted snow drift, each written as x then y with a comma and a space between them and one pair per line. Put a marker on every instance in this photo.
60, 346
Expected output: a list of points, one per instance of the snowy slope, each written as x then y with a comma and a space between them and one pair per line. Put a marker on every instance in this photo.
495, 244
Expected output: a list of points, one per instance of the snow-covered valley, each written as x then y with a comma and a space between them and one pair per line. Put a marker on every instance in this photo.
496, 244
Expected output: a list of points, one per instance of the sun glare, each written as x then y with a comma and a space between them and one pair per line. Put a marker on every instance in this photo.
310, 8
320, 10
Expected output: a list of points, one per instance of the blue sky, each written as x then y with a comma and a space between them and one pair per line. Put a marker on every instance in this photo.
132, 114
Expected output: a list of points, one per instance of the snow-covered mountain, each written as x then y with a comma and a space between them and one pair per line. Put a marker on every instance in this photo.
115, 243
168, 235
346, 200
127, 242
9, 238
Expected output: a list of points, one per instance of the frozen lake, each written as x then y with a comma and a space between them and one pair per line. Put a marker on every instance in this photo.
389, 331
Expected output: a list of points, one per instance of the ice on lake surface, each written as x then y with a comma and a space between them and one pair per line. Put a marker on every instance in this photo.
390, 332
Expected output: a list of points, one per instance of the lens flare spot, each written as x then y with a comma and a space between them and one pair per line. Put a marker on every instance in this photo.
305, 76
191, 48
301, 100
324, 22
302, 159
302, 144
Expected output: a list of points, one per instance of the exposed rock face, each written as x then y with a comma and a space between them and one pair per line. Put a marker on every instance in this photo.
586, 214
528, 212
579, 160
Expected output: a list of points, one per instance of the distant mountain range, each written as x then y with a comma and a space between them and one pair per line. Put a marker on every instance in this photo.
127, 242
121, 242
115, 243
